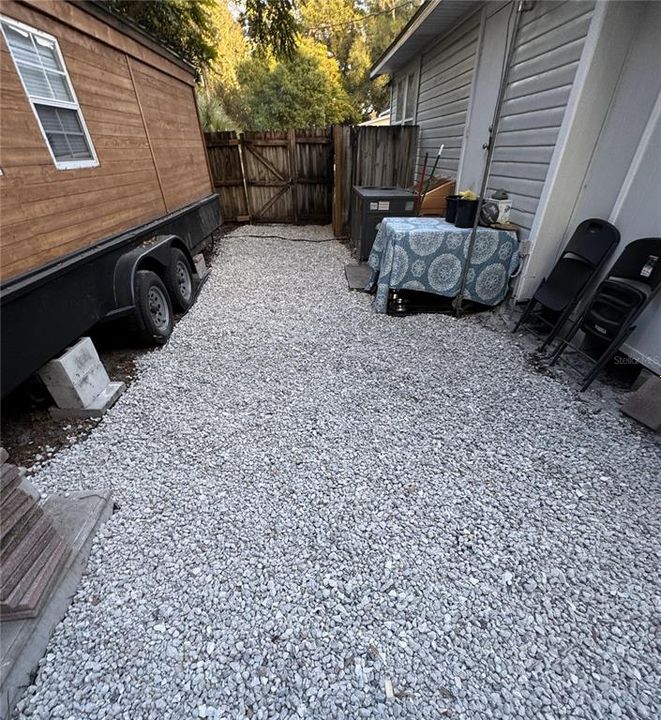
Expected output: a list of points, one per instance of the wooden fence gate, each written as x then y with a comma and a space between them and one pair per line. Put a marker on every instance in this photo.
279, 176
307, 176
227, 173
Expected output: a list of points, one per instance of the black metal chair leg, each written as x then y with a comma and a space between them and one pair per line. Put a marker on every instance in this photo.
556, 328
525, 313
605, 357
562, 345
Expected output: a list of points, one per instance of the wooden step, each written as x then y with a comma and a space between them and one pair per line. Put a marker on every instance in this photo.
28, 620
32, 552
10, 478
23, 580
25, 554
26, 598
21, 510
57, 556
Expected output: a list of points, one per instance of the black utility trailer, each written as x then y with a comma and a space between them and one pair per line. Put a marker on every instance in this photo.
105, 184
46, 311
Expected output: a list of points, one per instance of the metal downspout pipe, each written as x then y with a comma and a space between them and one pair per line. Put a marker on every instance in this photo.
522, 6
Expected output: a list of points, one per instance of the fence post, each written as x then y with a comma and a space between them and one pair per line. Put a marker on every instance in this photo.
293, 171
244, 184
338, 185
224, 159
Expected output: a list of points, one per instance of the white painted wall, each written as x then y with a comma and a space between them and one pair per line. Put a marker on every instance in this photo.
610, 152
580, 134
446, 78
638, 214
623, 182
607, 45
496, 18
548, 51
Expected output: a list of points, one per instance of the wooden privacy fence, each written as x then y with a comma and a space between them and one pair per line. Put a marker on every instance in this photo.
278, 176
382, 156
227, 173
306, 176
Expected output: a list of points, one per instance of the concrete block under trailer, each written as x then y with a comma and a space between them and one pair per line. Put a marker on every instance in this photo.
141, 273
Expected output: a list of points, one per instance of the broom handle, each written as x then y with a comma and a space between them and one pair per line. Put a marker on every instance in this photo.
433, 170
418, 195
424, 172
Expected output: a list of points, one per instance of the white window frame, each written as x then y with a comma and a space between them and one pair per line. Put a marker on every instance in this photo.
74, 105
403, 83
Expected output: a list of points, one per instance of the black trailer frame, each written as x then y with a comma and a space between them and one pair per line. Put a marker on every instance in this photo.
46, 310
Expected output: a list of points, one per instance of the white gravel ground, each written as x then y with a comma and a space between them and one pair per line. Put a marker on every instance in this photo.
326, 513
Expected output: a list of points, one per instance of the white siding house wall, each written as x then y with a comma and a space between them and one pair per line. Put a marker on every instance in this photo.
623, 180
446, 76
548, 49
637, 216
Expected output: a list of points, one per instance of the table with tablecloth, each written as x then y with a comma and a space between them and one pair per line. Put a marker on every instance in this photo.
429, 254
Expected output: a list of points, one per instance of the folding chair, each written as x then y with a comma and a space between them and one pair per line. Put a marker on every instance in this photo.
588, 249
609, 318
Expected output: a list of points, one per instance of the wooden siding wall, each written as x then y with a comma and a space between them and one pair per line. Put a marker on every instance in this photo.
49, 213
170, 115
549, 47
444, 90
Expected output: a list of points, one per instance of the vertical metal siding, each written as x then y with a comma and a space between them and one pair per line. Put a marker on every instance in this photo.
548, 50
446, 78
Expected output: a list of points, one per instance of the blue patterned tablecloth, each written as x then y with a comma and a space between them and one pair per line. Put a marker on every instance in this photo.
428, 254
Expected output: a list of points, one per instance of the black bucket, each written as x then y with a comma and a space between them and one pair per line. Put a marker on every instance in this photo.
466, 211
451, 207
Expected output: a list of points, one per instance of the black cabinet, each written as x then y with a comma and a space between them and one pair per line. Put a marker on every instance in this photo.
369, 205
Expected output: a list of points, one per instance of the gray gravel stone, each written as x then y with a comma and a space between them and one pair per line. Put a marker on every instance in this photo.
328, 513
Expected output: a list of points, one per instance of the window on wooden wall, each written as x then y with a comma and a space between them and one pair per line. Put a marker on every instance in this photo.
47, 84
405, 96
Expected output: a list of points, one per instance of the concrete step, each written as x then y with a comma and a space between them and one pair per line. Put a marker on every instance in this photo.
644, 405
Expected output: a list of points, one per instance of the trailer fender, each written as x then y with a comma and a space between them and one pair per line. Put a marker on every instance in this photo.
153, 254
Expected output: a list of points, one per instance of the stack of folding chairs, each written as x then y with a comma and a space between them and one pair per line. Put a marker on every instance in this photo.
610, 314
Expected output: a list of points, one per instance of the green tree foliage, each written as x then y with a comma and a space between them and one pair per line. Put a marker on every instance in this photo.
303, 91
232, 49
385, 19
278, 63
335, 24
213, 116
184, 26
356, 34
220, 83
272, 26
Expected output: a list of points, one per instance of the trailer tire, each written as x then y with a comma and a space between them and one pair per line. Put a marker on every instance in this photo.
179, 281
153, 309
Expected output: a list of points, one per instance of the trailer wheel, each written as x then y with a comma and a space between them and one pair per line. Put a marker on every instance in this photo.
179, 280
153, 308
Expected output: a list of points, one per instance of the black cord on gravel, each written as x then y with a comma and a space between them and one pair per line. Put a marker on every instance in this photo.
282, 237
